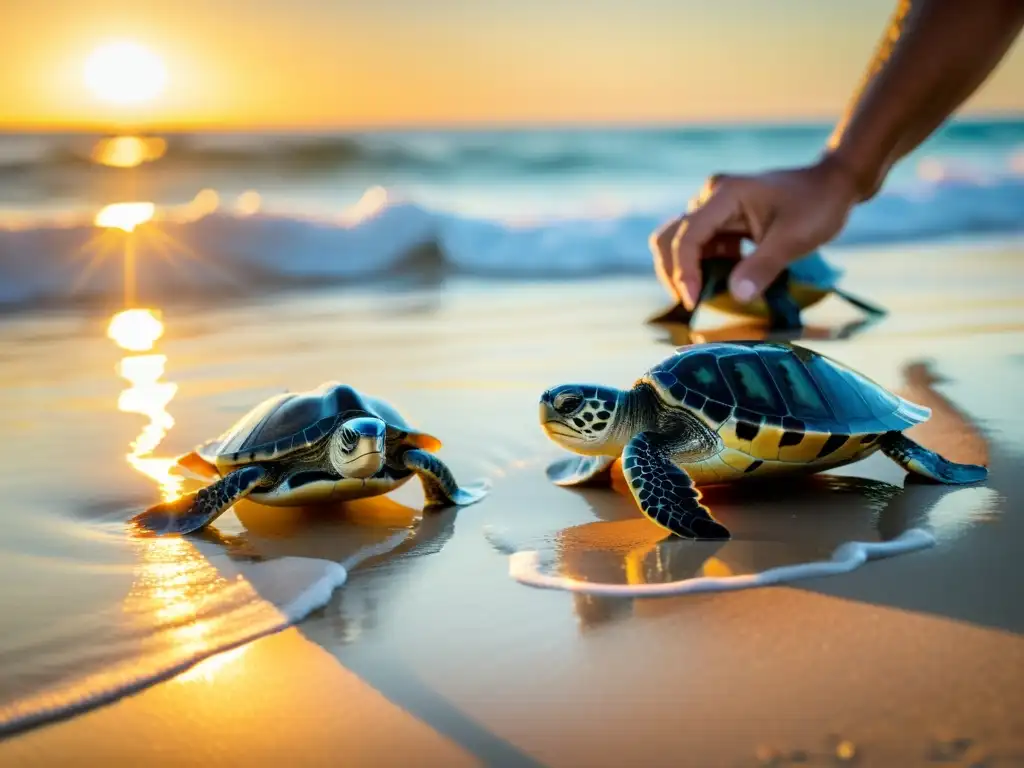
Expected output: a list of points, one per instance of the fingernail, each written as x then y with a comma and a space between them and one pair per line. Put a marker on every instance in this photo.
744, 290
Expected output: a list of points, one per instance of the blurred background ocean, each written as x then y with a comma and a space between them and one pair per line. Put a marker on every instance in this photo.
253, 211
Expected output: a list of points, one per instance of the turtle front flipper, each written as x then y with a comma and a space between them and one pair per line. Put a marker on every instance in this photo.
580, 470
439, 485
782, 307
196, 510
923, 463
715, 271
666, 494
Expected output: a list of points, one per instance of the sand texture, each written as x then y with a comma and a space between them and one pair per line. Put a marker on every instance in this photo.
433, 656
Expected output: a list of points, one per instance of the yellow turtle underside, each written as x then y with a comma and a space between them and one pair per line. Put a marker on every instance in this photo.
746, 459
347, 489
804, 295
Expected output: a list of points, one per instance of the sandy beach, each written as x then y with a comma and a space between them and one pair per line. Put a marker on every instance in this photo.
431, 654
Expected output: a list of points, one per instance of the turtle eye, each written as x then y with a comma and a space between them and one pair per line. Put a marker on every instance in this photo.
567, 402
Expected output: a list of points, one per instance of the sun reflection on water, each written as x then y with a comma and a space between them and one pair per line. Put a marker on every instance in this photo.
137, 330
128, 151
177, 592
187, 602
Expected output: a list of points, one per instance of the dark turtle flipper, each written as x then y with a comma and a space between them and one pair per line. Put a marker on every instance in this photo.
860, 304
196, 510
665, 493
674, 314
439, 484
923, 463
581, 470
715, 280
782, 309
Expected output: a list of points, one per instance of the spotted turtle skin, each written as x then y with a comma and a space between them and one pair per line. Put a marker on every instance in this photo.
777, 408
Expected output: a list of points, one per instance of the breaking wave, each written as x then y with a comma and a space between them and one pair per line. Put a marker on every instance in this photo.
385, 236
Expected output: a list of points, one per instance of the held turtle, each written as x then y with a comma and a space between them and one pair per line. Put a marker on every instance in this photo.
329, 444
801, 285
732, 411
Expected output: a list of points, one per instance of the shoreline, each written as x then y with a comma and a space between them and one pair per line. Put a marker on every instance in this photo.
435, 656
429, 277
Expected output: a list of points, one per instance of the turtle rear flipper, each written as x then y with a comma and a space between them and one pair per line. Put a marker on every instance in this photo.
439, 485
196, 510
581, 470
666, 493
921, 462
860, 304
674, 314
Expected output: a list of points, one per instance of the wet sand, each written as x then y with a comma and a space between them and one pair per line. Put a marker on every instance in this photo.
432, 655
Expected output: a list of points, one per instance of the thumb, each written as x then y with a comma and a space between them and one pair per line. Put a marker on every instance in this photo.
754, 274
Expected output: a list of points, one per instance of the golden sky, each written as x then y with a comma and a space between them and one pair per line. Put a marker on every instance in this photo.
341, 63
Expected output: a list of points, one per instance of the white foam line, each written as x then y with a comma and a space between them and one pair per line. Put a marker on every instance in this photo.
51, 706
524, 567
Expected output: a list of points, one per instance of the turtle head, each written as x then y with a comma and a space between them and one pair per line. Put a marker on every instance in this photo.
582, 418
357, 447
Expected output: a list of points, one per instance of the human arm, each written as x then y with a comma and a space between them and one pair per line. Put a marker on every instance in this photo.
934, 55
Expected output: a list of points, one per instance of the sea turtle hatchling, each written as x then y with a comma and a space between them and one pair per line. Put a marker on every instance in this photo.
802, 284
724, 412
329, 444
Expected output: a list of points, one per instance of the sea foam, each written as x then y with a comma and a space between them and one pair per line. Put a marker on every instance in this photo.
524, 567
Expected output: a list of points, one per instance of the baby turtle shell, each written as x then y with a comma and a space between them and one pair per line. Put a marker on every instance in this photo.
781, 402
290, 422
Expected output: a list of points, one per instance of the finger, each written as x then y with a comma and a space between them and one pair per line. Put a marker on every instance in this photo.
660, 244
695, 230
711, 183
754, 274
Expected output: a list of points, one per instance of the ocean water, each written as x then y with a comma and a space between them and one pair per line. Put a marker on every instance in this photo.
92, 423
250, 213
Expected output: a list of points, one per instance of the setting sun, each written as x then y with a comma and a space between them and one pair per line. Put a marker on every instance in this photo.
125, 73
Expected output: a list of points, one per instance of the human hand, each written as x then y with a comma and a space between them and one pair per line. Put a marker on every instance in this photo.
787, 213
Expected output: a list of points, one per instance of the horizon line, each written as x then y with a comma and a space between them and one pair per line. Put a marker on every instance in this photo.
125, 127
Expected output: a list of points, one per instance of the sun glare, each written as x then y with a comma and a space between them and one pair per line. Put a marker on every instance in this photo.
125, 73
126, 216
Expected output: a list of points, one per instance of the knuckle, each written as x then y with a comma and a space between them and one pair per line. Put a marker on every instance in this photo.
661, 238
722, 182
718, 179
